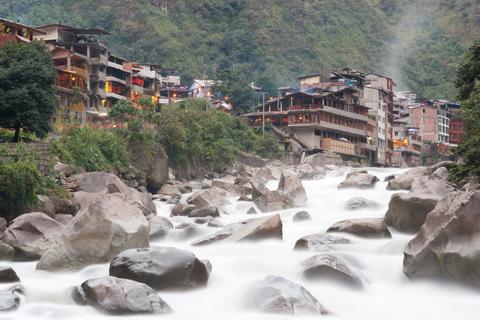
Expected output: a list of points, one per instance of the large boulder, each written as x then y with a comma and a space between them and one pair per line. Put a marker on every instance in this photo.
6, 251
118, 296
290, 187
357, 203
159, 227
31, 235
307, 171
332, 267
97, 184
404, 181
152, 162
301, 216
161, 268
448, 243
324, 159
407, 211
44, 204
250, 159
229, 185
7, 274
281, 296
319, 242
363, 227
360, 179
96, 234
213, 197
252, 229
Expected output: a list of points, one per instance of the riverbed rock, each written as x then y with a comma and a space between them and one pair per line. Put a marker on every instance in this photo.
307, 171
407, 211
204, 212
319, 242
213, 197
272, 201
363, 227
278, 295
228, 184
404, 181
63, 218
448, 243
252, 210
31, 235
290, 187
119, 296
65, 169
331, 267
360, 179
301, 216
250, 159
6, 251
96, 234
181, 209
252, 229
161, 268
44, 204
169, 190
324, 158
357, 203
159, 227
7, 274
97, 184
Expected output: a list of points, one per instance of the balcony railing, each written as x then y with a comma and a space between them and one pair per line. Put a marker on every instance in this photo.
345, 113
338, 127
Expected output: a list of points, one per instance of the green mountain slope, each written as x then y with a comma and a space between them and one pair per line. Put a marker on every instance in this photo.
274, 41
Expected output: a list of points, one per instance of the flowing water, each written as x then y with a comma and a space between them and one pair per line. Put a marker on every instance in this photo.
387, 293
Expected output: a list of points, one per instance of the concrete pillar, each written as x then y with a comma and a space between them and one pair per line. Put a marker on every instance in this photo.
69, 63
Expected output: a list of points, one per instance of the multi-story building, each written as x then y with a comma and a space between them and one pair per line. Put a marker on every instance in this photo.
374, 100
71, 84
144, 83
118, 81
84, 43
432, 120
385, 86
455, 130
325, 115
11, 31
202, 88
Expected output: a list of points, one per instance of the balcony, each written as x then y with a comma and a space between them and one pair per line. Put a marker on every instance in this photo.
115, 79
344, 113
115, 96
337, 146
338, 127
137, 89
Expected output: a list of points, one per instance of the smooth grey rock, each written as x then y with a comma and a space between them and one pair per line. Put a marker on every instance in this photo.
319, 242
301, 216
364, 227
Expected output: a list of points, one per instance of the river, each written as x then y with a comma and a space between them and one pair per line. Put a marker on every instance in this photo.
387, 293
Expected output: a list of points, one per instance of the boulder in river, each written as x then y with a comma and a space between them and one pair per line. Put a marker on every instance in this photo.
31, 234
204, 212
363, 227
407, 211
252, 229
96, 234
357, 203
6, 251
360, 179
301, 216
335, 267
161, 268
448, 243
278, 295
97, 184
7, 274
404, 181
290, 187
213, 197
319, 242
119, 296
159, 227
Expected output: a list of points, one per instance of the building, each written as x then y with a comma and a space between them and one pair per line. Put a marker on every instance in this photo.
84, 43
433, 120
374, 100
407, 143
71, 84
202, 88
118, 81
326, 116
11, 31
385, 86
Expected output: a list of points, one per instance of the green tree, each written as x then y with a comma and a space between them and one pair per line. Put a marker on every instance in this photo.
468, 83
27, 97
469, 72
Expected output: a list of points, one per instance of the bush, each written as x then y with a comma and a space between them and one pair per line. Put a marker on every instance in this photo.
93, 150
19, 184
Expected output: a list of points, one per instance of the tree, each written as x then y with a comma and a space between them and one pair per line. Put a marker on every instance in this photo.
27, 96
469, 72
468, 83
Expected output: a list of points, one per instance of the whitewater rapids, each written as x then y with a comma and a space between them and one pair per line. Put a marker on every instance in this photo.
387, 293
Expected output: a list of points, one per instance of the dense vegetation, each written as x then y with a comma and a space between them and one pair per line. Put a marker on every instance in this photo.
192, 135
27, 96
468, 83
272, 42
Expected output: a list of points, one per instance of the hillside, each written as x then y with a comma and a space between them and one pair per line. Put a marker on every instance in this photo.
274, 41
